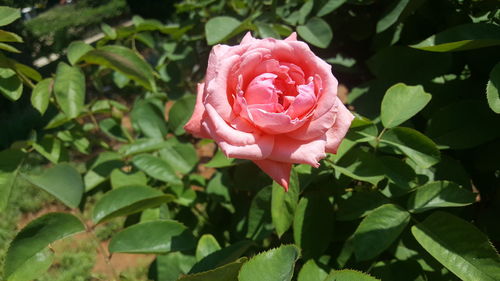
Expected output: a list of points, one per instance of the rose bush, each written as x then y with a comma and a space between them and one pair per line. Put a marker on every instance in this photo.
270, 101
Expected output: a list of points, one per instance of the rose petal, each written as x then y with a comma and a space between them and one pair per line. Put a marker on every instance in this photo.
255, 151
262, 90
293, 151
247, 39
278, 171
303, 102
342, 123
216, 91
316, 127
272, 122
292, 37
193, 126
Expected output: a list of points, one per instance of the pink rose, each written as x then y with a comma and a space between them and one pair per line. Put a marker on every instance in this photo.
270, 101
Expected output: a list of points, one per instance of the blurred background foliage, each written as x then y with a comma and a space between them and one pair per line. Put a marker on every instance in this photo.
95, 95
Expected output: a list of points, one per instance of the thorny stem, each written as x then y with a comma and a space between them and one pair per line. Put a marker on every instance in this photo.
100, 249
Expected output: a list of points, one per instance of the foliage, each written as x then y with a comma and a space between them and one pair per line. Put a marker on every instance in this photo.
410, 195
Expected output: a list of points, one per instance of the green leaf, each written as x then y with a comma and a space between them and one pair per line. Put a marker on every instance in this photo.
317, 32
310, 271
156, 168
76, 50
40, 96
149, 119
51, 148
8, 15
378, 230
219, 160
439, 194
27, 71
266, 30
37, 235
171, 266
112, 129
153, 237
69, 89
360, 165
100, 169
180, 156
492, 92
127, 200
330, 6
34, 267
6, 36
413, 144
401, 102
450, 127
273, 265
397, 12
259, 215
349, 275
109, 31
459, 246
462, 37
9, 48
312, 225
219, 29
359, 205
206, 246
124, 60
9, 169
305, 10
120, 178
62, 181
10, 84
228, 272
284, 203
222, 256
180, 113
401, 176
143, 145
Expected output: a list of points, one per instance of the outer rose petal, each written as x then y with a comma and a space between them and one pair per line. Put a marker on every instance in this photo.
293, 151
278, 171
292, 37
342, 123
193, 126
316, 127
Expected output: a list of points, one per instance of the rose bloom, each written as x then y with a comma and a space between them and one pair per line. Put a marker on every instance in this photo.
270, 101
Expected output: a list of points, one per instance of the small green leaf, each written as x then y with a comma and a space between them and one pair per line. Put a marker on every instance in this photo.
459, 246
359, 205
492, 89
312, 225
218, 29
143, 145
37, 235
153, 237
109, 31
413, 144
51, 148
127, 200
62, 181
40, 96
76, 50
310, 271
10, 84
317, 32
149, 119
222, 256
401, 102
462, 37
112, 129
9, 48
361, 165
8, 15
259, 215
439, 194
228, 272
171, 266
180, 113
349, 275
305, 10
6, 36
100, 168
273, 265
69, 89
219, 160
124, 60
156, 168
330, 6
34, 267
266, 30
180, 156
120, 178
284, 203
378, 230
396, 12
206, 245
9, 169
